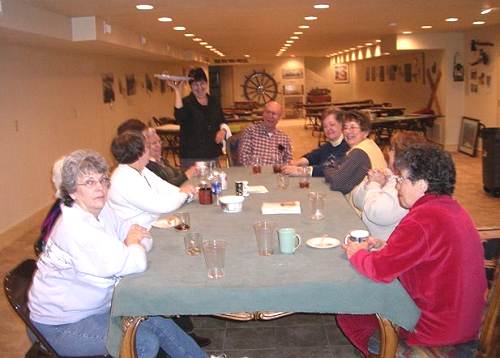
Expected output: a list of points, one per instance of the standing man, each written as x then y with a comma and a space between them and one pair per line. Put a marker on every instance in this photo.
264, 142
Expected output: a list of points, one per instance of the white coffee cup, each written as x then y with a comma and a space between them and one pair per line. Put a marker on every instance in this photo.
356, 236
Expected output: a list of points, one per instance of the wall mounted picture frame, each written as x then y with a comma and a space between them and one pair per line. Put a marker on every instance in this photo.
469, 133
108, 93
367, 73
373, 73
292, 73
381, 73
293, 89
341, 73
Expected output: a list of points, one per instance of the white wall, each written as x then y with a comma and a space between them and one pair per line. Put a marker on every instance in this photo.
51, 103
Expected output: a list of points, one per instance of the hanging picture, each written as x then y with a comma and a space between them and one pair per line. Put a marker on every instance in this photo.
381, 73
367, 74
292, 73
391, 72
407, 72
341, 73
148, 82
108, 93
163, 86
130, 81
373, 72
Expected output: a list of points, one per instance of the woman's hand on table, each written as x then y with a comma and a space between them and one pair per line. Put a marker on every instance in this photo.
135, 234
375, 244
352, 247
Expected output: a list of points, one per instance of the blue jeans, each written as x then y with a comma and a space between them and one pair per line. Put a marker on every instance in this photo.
87, 337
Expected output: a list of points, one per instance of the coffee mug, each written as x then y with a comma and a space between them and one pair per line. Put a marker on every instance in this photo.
289, 240
356, 236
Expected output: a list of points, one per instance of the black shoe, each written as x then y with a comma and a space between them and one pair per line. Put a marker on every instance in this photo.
202, 341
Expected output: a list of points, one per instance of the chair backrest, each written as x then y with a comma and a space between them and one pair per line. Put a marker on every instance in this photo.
16, 285
232, 150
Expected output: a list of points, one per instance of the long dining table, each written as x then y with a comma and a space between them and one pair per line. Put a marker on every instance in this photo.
312, 280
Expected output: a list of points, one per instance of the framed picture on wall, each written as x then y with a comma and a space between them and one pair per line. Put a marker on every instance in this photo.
367, 74
381, 73
293, 88
341, 73
292, 73
374, 73
469, 132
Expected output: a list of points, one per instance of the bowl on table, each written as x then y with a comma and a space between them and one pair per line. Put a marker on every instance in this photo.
231, 203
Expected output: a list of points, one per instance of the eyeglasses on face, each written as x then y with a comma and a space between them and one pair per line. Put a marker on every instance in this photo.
92, 183
400, 179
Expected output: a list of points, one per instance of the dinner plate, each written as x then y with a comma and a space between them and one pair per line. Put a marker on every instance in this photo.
323, 242
162, 76
166, 223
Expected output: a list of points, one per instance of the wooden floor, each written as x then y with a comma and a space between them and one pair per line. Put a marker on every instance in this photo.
250, 339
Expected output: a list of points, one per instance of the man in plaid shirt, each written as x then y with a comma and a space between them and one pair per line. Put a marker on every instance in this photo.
265, 143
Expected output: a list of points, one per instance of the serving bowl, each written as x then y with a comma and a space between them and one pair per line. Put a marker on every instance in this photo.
231, 203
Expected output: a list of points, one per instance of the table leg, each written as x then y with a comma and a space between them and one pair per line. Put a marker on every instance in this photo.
129, 327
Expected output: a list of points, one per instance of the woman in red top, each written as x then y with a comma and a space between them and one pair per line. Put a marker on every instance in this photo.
435, 252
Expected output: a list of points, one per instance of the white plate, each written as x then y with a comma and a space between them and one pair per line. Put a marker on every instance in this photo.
323, 242
172, 78
166, 223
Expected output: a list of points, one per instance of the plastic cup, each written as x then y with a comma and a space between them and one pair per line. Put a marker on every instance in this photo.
214, 252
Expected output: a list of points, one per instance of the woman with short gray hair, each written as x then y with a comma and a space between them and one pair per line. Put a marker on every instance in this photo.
87, 252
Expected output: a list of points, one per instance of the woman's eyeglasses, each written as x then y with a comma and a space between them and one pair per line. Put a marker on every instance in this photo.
92, 183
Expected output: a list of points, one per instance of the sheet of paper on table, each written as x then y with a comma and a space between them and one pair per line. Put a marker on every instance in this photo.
284, 207
257, 189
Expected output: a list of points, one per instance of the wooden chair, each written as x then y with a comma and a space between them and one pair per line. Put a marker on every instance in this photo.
233, 159
16, 285
489, 338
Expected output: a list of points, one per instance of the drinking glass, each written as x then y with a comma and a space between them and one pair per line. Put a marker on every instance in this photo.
192, 243
214, 252
264, 233
317, 205
283, 181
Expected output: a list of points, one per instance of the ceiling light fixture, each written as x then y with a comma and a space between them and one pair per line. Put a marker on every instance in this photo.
486, 11
179, 28
292, 55
287, 45
378, 41
368, 43
289, 41
208, 46
321, 6
298, 33
294, 37
247, 56
203, 43
144, 7
426, 27
479, 23
165, 19
303, 26
451, 19
189, 35
407, 32
310, 18
197, 39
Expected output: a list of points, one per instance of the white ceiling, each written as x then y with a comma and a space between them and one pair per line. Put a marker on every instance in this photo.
260, 27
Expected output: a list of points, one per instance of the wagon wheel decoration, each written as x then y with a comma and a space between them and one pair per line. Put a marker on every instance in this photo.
260, 87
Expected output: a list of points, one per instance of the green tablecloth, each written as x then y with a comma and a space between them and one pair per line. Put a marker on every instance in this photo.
311, 280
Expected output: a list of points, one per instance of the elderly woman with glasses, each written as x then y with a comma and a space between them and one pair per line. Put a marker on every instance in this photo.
87, 252
138, 195
363, 154
435, 252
